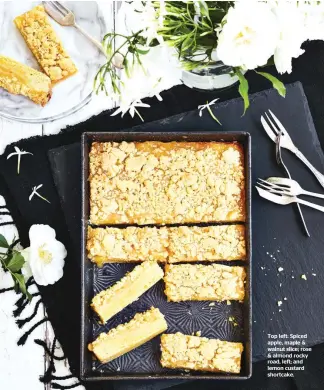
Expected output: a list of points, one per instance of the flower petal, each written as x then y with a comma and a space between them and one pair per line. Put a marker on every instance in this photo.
26, 271
57, 250
10, 155
31, 195
41, 234
118, 111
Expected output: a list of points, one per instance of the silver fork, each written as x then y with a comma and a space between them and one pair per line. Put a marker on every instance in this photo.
65, 17
284, 200
281, 163
274, 129
290, 187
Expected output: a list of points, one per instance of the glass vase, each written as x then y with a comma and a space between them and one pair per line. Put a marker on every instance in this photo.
215, 76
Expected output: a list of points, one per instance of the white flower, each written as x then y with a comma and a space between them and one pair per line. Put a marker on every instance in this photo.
45, 256
290, 20
146, 16
34, 192
207, 105
131, 108
142, 81
249, 36
18, 153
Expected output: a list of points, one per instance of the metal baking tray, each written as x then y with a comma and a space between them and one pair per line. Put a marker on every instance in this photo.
187, 317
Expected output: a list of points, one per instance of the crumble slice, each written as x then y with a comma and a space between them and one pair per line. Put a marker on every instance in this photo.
118, 341
196, 282
111, 245
113, 300
44, 43
200, 353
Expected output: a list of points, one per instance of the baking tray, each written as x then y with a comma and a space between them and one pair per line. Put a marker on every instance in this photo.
186, 317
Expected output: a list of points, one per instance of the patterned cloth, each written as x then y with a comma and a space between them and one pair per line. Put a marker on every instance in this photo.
23, 324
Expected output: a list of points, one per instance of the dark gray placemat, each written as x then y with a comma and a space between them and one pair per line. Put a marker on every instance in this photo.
278, 240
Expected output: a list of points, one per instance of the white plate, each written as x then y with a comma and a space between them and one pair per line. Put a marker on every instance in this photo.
70, 94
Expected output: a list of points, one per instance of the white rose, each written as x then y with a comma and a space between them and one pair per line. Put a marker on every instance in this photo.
45, 256
249, 36
290, 19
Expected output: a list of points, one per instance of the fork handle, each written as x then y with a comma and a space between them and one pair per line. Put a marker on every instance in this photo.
319, 176
90, 38
309, 204
314, 194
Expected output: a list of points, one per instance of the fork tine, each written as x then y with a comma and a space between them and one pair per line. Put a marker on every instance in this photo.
275, 185
63, 6
273, 190
264, 183
268, 129
276, 193
63, 9
264, 186
52, 4
267, 182
274, 128
279, 124
278, 183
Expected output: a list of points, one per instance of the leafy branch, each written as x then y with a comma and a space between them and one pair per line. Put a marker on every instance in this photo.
129, 57
12, 261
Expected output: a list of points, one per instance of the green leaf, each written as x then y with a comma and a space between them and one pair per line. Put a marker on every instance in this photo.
3, 242
204, 8
16, 262
243, 89
276, 83
142, 51
187, 43
6, 259
20, 281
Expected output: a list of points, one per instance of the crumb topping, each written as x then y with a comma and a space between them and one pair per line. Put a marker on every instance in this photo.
139, 319
42, 40
198, 282
195, 243
20, 79
173, 245
175, 182
130, 244
200, 353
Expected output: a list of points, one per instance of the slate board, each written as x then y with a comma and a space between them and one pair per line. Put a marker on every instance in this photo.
278, 238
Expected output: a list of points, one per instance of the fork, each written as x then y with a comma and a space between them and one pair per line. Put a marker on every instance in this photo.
65, 17
284, 200
285, 186
280, 162
276, 128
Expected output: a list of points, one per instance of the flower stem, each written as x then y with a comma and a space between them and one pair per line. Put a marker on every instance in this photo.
139, 114
42, 197
212, 115
18, 166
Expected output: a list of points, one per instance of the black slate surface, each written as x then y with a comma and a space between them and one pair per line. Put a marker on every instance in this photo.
278, 238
